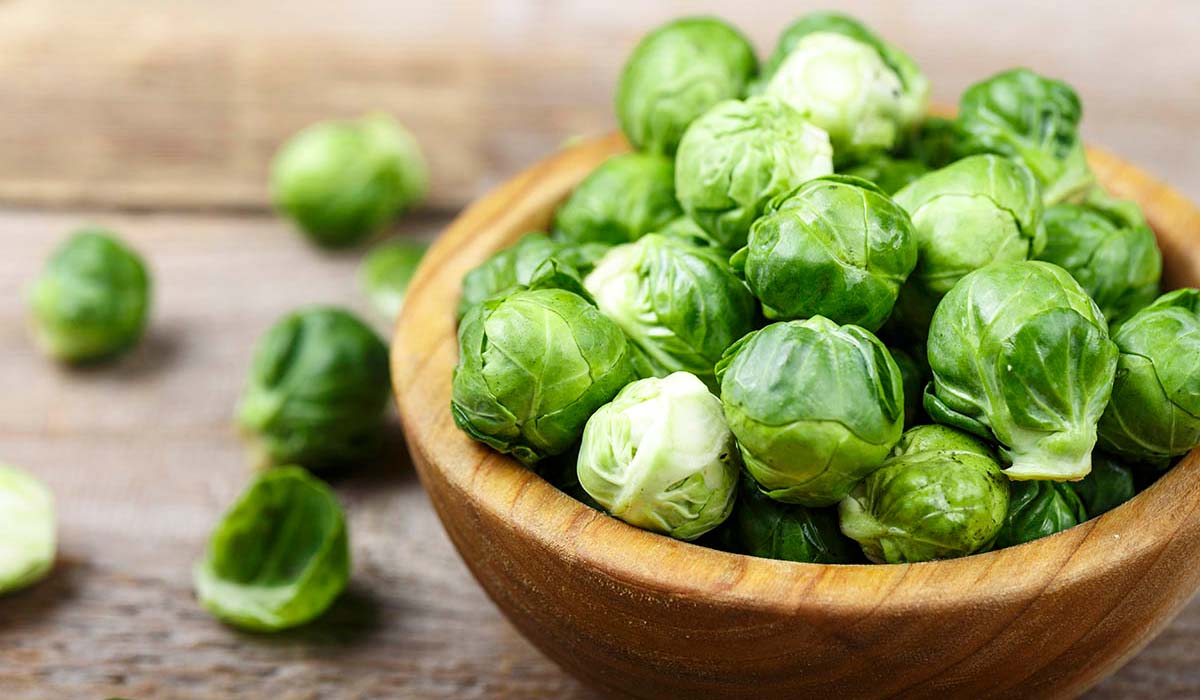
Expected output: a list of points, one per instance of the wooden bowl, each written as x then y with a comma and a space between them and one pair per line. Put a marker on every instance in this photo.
638, 614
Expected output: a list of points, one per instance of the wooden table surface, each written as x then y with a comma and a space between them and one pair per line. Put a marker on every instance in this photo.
158, 120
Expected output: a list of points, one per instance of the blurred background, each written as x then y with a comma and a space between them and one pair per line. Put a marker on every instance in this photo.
159, 119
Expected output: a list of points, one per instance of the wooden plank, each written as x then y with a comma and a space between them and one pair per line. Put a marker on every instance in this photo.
133, 104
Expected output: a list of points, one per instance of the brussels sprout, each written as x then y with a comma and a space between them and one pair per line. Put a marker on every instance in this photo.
1108, 485
936, 143
679, 303
940, 495
973, 212
889, 174
386, 272
317, 390
914, 373
835, 246
625, 198
533, 366
28, 544
1020, 352
815, 407
1033, 119
687, 230
661, 457
764, 527
279, 557
518, 266
1154, 413
91, 300
1109, 249
676, 74
341, 182
1038, 509
739, 155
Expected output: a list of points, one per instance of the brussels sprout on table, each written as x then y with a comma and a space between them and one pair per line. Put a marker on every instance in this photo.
317, 390
342, 181
1038, 509
940, 495
28, 533
888, 173
738, 156
279, 557
91, 300
1154, 413
1020, 114
1108, 485
676, 73
661, 457
532, 368
1021, 353
628, 196
815, 407
386, 272
763, 527
836, 247
1109, 249
679, 303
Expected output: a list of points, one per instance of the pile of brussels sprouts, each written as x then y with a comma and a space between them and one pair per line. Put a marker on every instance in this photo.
805, 320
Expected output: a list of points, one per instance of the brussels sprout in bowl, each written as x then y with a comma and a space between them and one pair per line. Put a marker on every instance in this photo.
639, 613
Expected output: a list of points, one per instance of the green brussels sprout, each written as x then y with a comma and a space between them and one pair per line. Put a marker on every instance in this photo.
92, 299
971, 213
685, 229
279, 557
677, 73
518, 266
1033, 119
739, 155
815, 407
936, 143
1108, 485
915, 374
28, 546
660, 457
865, 94
887, 173
533, 366
386, 272
317, 390
1020, 352
940, 495
1038, 509
836, 246
1154, 413
628, 196
1109, 249
764, 527
680, 304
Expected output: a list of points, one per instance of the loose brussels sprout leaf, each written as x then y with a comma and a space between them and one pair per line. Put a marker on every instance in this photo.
625, 198
679, 303
317, 390
815, 407
889, 174
532, 368
764, 527
1020, 352
1038, 509
386, 272
341, 182
836, 247
974, 212
676, 74
91, 300
1109, 485
1154, 413
847, 87
660, 457
28, 545
1035, 120
279, 557
520, 265
739, 155
1109, 249
936, 143
914, 371
940, 495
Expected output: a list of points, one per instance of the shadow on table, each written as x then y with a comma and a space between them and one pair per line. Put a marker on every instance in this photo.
353, 620
34, 605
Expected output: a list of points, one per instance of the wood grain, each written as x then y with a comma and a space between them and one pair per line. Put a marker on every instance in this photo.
635, 613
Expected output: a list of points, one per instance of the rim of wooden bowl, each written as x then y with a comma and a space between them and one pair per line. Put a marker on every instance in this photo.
425, 349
